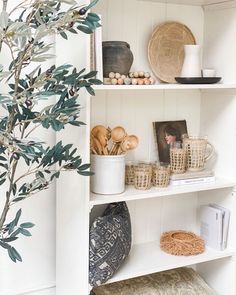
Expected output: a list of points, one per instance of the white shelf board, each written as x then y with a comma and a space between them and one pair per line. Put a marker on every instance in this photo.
132, 194
191, 2
149, 258
165, 87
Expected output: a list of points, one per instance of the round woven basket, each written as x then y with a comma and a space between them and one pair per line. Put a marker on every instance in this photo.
166, 50
182, 243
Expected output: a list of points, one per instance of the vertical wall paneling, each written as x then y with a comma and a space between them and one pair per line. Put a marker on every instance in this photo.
212, 120
220, 29
99, 109
136, 27
72, 189
179, 213
137, 110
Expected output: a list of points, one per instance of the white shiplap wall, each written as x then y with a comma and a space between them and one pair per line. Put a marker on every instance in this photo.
136, 110
133, 21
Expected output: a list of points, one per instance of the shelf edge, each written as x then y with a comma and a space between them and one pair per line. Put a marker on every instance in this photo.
158, 193
165, 87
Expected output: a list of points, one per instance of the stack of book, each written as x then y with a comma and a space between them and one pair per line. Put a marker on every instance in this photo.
214, 225
204, 176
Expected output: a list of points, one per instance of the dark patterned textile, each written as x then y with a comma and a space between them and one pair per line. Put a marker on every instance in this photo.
110, 243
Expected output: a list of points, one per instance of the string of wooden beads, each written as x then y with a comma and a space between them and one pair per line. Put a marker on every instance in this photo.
133, 78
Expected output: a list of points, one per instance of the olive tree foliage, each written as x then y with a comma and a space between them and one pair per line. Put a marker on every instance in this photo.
23, 29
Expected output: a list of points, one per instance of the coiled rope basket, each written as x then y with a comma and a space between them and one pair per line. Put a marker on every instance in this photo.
180, 242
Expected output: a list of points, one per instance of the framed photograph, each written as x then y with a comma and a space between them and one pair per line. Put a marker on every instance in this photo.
167, 132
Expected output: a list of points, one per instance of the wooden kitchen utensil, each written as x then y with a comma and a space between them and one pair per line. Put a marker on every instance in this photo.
117, 135
130, 142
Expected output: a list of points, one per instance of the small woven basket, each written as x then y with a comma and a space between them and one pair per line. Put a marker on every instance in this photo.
160, 176
143, 177
178, 160
182, 242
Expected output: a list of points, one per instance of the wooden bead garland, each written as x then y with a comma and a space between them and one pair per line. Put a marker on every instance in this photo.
134, 78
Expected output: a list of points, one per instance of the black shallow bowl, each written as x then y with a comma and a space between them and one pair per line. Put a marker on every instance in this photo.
198, 80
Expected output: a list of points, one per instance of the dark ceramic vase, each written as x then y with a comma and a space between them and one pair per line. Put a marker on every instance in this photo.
117, 57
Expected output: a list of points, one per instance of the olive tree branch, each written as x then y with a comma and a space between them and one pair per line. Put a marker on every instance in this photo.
20, 5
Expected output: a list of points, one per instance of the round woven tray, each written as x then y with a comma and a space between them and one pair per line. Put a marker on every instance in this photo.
182, 242
166, 50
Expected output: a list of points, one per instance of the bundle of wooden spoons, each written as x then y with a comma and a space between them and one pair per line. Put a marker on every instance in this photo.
116, 141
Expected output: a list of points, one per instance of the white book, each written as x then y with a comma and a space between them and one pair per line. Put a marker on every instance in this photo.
211, 226
192, 174
98, 51
198, 180
225, 224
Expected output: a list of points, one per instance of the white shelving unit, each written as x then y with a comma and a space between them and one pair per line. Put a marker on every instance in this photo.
148, 258
131, 194
166, 87
208, 110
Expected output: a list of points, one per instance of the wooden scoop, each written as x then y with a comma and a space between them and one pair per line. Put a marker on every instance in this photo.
103, 142
130, 142
101, 129
117, 135
96, 146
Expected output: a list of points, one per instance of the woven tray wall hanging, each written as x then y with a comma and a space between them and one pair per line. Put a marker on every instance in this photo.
166, 50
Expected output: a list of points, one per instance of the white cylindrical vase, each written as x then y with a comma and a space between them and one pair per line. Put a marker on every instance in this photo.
192, 65
109, 174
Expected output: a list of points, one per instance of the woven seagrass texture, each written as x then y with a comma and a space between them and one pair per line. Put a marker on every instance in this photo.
196, 153
143, 177
182, 242
166, 49
178, 160
160, 176
129, 173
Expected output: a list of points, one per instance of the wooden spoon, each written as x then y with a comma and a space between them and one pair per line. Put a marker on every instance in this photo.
101, 129
117, 135
93, 150
103, 141
97, 147
130, 142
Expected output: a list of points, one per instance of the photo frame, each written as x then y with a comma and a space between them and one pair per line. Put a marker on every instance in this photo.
166, 132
